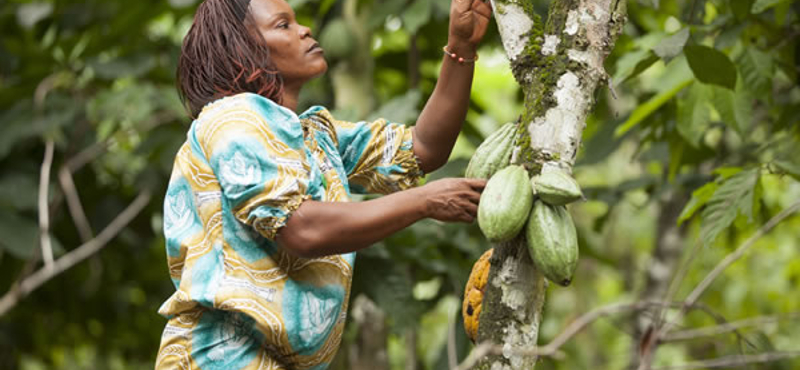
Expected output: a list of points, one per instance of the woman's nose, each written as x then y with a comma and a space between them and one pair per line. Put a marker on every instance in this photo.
305, 32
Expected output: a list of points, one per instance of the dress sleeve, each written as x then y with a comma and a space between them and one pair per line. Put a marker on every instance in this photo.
378, 156
257, 153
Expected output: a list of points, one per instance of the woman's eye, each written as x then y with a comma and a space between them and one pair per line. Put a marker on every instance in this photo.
283, 25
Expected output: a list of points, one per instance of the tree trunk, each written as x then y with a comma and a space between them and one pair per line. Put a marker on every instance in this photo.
559, 66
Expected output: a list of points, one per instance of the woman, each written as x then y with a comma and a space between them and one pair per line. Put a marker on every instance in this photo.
259, 234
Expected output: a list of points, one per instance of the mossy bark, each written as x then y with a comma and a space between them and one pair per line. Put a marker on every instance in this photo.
559, 65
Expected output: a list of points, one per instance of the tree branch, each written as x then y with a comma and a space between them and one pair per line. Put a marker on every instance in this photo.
35, 280
44, 214
711, 331
733, 361
727, 261
691, 299
74, 204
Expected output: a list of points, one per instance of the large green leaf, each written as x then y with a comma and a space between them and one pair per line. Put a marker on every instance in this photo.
735, 108
20, 235
633, 64
711, 65
693, 113
791, 168
672, 46
19, 191
757, 70
733, 197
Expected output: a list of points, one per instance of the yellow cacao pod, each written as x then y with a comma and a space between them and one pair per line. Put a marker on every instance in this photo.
473, 294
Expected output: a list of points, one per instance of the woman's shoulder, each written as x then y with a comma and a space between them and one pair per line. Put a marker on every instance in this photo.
247, 113
246, 102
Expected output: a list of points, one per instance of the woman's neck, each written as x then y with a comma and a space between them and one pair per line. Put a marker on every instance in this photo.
289, 97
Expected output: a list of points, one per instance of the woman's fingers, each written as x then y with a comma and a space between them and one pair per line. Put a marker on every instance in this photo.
476, 184
482, 8
461, 6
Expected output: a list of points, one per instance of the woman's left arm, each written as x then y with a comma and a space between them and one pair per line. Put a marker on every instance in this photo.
440, 122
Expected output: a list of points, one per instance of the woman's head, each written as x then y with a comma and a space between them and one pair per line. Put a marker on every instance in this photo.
237, 46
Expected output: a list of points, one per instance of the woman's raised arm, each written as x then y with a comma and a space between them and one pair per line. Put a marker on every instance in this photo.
440, 121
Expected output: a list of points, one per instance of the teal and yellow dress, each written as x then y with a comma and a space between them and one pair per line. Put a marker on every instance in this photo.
242, 302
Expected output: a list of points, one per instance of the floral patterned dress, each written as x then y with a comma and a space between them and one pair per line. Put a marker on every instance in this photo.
241, 302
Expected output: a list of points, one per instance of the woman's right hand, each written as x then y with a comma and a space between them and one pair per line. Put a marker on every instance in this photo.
452, 199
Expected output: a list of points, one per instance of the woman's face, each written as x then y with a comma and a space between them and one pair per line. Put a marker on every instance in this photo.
294, 51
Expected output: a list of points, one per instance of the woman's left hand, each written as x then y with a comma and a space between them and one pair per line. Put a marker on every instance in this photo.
468, 21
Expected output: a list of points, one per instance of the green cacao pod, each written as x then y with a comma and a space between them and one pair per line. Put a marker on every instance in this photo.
493, 154
552, 242
556, 187
505, 204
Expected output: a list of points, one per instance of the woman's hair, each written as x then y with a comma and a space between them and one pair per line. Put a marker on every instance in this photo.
224, 54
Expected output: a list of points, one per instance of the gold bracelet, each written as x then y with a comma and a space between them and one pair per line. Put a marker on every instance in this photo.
458, 58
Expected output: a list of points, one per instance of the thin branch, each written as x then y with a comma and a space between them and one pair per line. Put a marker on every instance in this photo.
44, 214
711, 331
87, 155
452, 353
74, 204
733, 361
476, 355
727, 261
35, 280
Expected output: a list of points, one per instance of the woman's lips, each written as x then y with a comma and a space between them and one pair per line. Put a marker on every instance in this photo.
314, 48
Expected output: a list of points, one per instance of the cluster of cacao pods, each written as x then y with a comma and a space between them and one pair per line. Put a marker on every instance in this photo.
512, 201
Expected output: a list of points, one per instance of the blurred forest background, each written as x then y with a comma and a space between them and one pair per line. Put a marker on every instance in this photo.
691, 154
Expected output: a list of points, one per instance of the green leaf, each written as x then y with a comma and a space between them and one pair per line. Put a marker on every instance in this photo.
20, 235
699, 198
632, 64
792, 169
400, 109
650, 106
735, 107
672, 46
711, 66
762, 5
757, 70
741, 8
694, 117
727, 172
417, 15
19, 191
734, 196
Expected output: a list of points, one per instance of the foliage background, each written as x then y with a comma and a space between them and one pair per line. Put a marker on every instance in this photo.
705, 121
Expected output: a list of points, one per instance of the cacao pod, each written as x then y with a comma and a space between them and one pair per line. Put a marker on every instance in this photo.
473, 294
552, 242
556, 187
493, 154
505, 204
